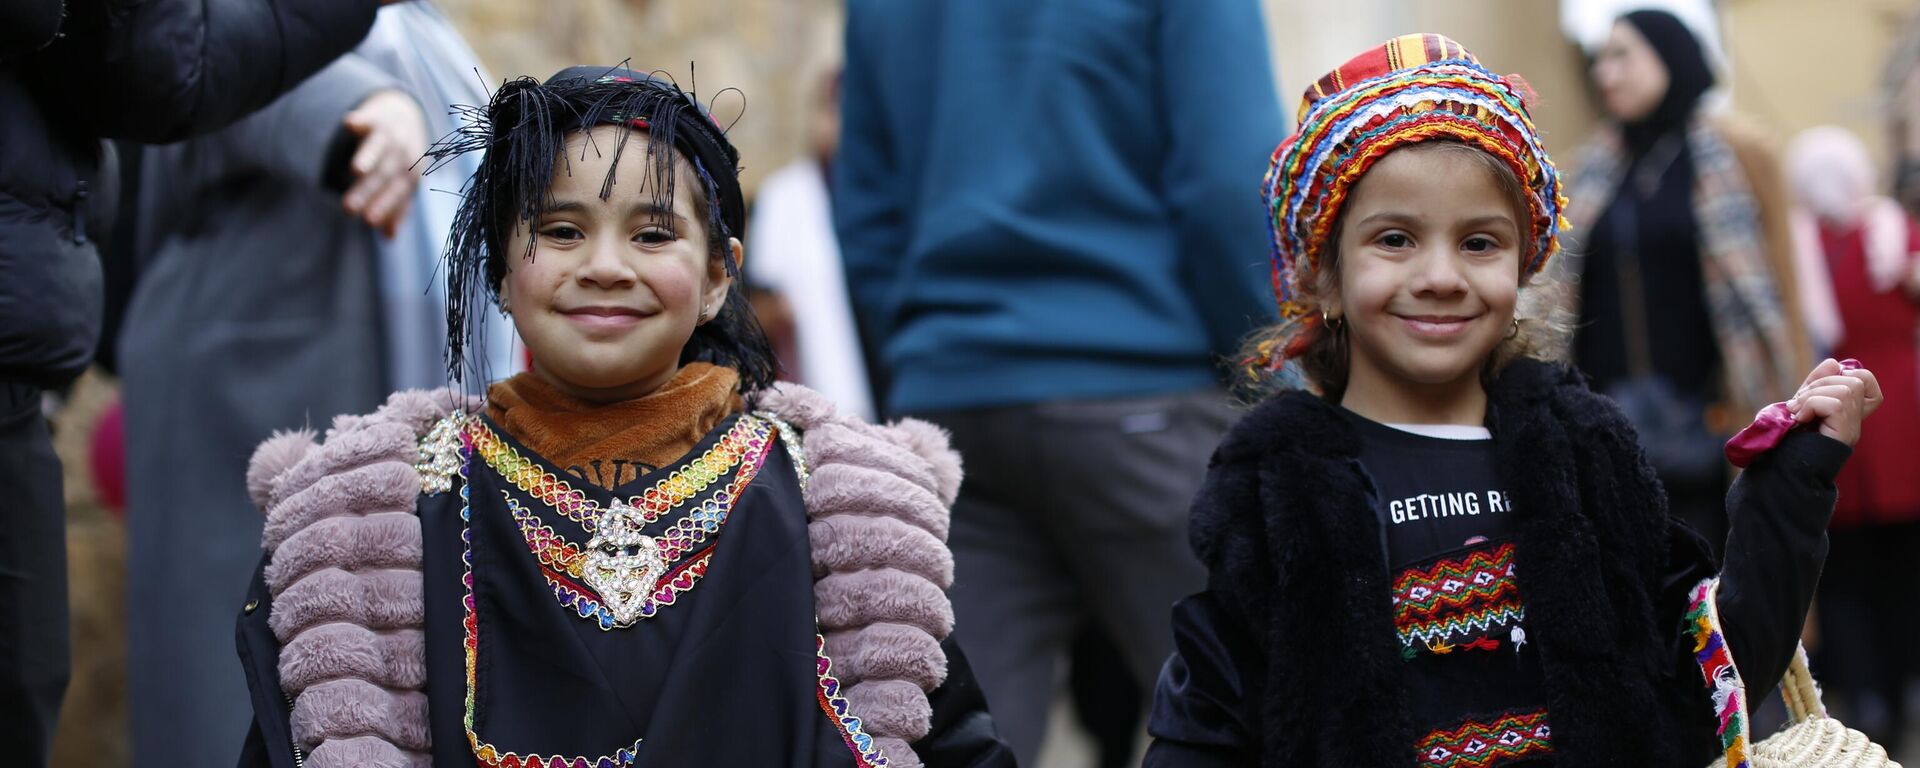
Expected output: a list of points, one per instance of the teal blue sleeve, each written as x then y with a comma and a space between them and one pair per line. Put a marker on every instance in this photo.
869, 213
1224, 121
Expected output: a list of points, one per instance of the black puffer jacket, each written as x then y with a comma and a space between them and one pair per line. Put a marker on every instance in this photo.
74, 72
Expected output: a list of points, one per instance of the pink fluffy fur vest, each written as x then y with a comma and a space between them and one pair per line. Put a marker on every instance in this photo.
344, 557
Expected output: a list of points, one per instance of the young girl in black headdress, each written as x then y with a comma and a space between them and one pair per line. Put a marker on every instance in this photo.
642, 552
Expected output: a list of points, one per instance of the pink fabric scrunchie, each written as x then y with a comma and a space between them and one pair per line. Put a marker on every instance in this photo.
1768, 429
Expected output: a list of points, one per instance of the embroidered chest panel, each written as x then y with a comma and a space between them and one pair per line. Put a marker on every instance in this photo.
619, 575
1469, 601
1487, 742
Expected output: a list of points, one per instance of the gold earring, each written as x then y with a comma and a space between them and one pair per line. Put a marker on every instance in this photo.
1332, 322
1514, 330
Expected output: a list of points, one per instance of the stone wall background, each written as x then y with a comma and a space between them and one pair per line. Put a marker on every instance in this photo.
774, 51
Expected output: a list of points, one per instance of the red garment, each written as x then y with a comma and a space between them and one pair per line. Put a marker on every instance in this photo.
1881, 483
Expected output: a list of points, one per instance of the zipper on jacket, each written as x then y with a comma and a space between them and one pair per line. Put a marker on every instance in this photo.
299, 757
80, 196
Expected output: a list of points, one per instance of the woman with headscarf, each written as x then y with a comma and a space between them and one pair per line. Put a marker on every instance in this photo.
1686, 295
1860, 282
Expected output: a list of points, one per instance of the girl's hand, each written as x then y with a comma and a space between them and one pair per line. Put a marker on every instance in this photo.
1839, 398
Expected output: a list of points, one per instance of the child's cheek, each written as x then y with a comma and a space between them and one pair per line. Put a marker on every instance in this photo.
676, 282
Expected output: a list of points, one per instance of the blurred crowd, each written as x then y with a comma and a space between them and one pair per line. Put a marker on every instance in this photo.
1034, 228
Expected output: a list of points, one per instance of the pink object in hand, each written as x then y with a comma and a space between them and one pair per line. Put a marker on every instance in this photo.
1768, 429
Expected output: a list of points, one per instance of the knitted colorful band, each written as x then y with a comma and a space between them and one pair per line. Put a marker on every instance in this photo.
1414, 88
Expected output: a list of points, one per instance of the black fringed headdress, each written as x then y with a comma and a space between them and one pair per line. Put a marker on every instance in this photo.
523, 132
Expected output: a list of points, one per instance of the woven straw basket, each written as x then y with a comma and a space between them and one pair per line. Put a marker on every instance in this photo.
1814, 740
1811, 740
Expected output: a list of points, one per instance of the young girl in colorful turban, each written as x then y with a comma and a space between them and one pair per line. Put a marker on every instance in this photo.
642, 552
1433, 546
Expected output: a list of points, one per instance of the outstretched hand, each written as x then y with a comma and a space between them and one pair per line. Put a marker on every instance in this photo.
393, 136
1839, 398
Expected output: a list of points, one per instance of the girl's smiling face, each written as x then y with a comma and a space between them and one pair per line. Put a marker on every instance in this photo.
1429, 268
614, 286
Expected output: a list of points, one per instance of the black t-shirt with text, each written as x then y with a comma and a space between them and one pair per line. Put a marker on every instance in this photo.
1447, 528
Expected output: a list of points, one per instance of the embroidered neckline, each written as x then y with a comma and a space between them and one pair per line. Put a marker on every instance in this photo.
1476, 744
683, 483
570, 569
584, 601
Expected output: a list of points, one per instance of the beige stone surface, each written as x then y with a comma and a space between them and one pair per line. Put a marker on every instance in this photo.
1796, 65
774, 51
93, 719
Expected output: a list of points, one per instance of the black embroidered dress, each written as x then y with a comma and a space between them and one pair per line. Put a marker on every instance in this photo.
722, 667
686, 679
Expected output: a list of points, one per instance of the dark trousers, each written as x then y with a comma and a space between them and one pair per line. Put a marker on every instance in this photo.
33, 580
1073, 512
1867, 626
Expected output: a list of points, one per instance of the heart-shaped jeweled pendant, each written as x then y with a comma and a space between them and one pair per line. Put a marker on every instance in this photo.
623, 565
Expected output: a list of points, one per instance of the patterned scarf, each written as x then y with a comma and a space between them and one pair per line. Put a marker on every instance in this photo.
1743, 299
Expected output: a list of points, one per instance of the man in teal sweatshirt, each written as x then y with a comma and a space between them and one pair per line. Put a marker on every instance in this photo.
1050, 218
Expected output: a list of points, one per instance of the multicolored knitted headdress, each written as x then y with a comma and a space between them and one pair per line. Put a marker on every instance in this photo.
1415, 88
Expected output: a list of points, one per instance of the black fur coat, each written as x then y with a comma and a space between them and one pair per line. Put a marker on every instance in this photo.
1290, 659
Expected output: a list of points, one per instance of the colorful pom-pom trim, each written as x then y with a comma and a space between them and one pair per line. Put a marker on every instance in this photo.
1716, 666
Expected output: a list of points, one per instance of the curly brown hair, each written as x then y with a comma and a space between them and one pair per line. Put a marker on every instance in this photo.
1319, 362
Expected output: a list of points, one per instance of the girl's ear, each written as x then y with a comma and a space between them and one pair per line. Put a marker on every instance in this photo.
718, 278
1330, 297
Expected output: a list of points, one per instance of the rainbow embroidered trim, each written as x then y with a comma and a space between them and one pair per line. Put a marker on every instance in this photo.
1512, 736
1455, 597
1443, 93
679, 485
745, 446
582, 600
562, 561
566, 557
489, 755
1716, 667
866, 754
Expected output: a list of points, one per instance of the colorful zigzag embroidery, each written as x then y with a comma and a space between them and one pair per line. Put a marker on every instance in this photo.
1457, 596
1474, 744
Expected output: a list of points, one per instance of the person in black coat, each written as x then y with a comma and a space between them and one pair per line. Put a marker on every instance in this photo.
72, 73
